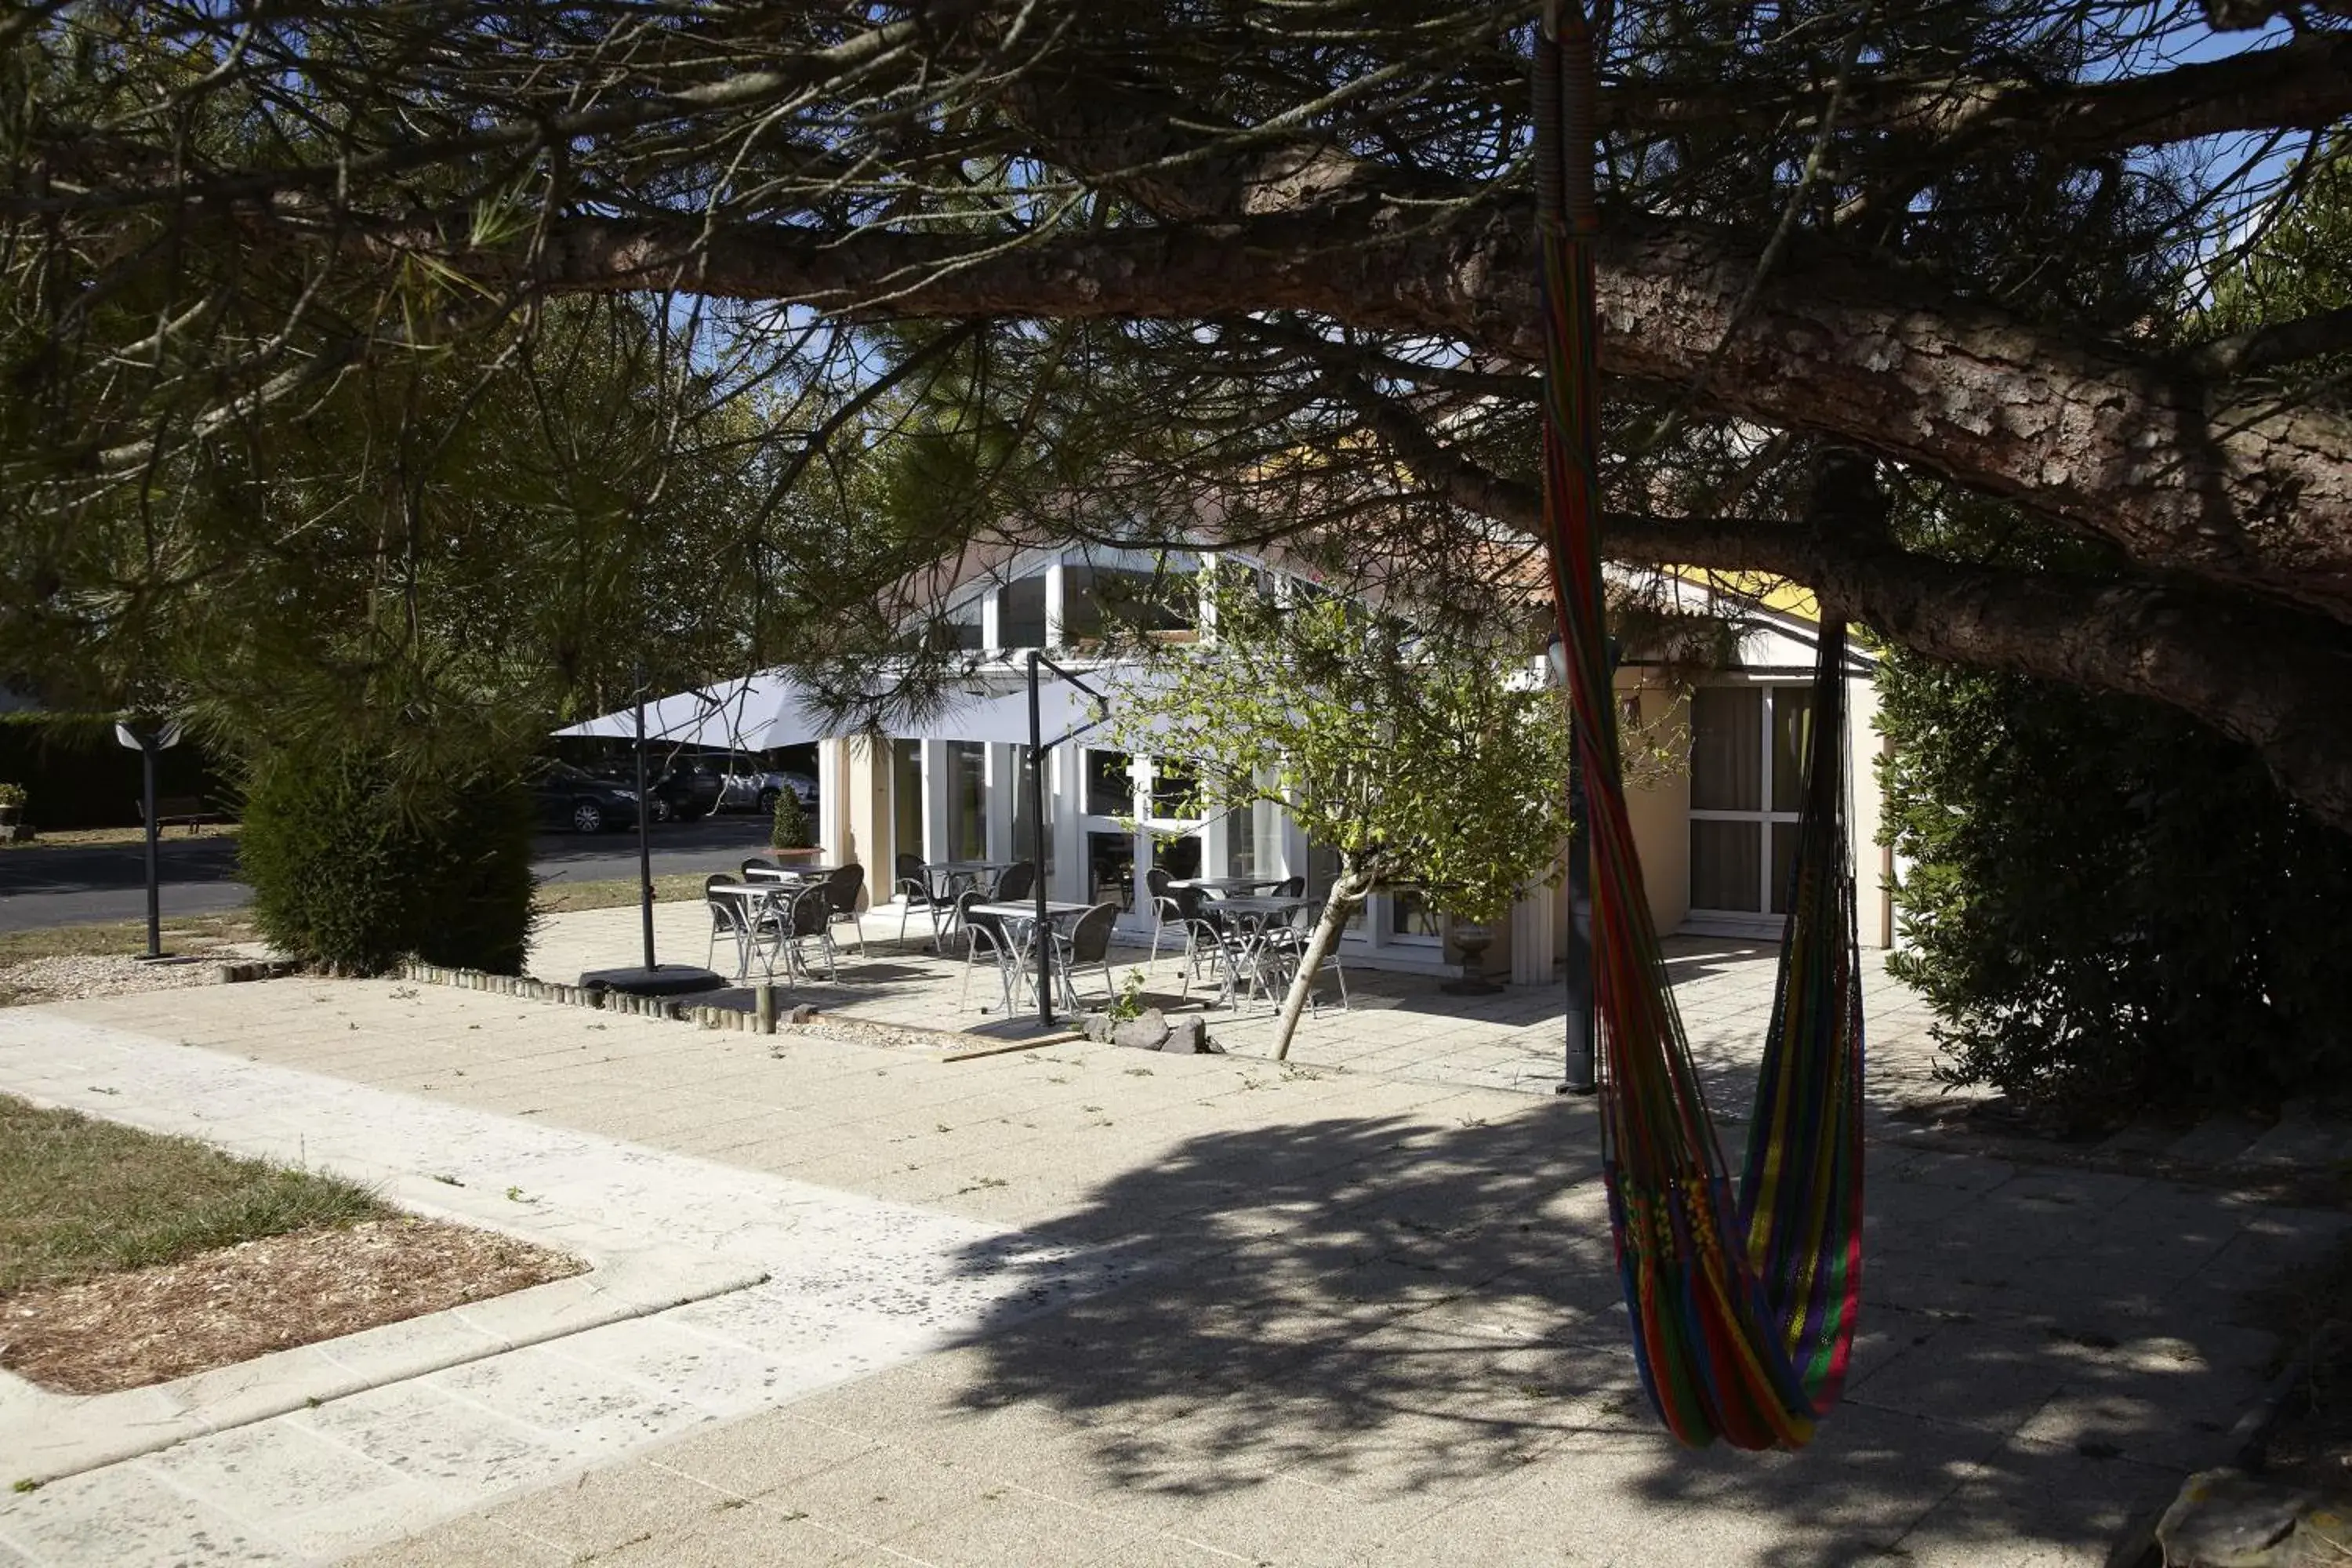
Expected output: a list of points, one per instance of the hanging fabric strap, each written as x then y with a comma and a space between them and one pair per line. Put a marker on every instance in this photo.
1742, 1309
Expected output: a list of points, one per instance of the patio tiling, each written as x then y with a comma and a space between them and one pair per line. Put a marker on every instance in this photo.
1398, 1024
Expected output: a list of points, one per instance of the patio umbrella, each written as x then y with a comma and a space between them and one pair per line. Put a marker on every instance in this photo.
752, 713
775, 707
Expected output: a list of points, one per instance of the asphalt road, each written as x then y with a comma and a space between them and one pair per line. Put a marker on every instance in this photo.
77, 885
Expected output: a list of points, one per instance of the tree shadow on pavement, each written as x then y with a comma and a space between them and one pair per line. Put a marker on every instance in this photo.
1421, 1323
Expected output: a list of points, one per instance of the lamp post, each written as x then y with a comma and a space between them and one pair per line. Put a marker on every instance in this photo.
644, 844
147, 738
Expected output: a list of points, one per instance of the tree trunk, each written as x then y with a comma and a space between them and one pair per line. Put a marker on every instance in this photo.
1346, 897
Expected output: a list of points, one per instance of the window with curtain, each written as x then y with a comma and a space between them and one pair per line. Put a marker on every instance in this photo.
1726, 747
1746, 779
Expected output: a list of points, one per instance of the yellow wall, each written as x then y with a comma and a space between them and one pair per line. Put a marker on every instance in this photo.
1660, 814
855, 775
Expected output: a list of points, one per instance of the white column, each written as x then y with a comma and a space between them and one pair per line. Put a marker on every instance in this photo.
1874, 863
992, 621
1054, 604
1216, 841
1068, 782
832, 801
935, 801
1003, 793
1533, 937
1294, 850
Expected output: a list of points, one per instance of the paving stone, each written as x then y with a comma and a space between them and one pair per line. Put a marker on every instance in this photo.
741, 1537
601, 1510
2217, 1140
465, 1543
1009, 1528
125, 1515
753, 1458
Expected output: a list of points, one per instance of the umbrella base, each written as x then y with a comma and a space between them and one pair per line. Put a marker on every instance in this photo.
662, 980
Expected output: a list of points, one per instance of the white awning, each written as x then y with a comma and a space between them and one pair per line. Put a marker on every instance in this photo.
756, 713
774, 708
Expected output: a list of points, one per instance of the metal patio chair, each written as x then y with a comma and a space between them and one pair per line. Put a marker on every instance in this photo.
1086, 945
983, 933
914, 889
840, 889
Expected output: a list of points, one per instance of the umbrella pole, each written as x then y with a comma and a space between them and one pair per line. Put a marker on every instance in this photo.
1042, 936
645, 843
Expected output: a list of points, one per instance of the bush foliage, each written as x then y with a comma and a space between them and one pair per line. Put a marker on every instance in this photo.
352, 868
2107, 906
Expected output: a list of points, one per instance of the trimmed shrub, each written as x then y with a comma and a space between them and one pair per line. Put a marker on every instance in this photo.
353, 867
2107, 906
790, 829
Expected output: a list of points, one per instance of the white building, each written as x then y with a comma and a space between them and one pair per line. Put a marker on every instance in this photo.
1714, 837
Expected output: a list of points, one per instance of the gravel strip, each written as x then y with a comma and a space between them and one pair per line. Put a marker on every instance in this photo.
858, 1032
72, 979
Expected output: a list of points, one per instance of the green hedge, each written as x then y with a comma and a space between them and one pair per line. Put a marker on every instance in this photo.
75, 776
352, 866
2107, 906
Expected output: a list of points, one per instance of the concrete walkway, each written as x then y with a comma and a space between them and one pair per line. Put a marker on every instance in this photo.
1373, 1319
826, 1285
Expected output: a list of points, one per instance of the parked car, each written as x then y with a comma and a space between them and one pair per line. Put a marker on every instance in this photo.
687, 789
575, 798
759, 790
735, 782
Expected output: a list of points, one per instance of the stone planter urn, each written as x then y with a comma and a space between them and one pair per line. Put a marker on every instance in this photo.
1472, 938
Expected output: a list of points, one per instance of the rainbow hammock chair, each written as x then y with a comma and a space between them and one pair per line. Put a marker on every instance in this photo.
1743, 1310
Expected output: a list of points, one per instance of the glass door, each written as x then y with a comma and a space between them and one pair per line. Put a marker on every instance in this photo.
1178, 833
906, 802
1109, 829
1139, 813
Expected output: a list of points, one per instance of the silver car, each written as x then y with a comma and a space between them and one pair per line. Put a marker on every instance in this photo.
760, 791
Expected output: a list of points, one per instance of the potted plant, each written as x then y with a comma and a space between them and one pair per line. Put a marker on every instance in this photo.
790, 837
12, 811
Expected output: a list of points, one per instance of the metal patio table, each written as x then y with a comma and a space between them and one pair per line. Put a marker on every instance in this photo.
1023, 916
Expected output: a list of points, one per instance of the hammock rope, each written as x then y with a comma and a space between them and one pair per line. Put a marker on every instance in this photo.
1742, 1306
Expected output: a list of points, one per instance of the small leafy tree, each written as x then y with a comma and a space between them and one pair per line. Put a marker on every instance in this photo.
1416, 753
790, 829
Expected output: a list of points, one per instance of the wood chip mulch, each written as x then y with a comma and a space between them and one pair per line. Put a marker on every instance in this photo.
149, 1325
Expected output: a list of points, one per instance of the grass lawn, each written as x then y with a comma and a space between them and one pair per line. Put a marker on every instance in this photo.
182, 934
193, 933
569, 898
80, 1198
85, 838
